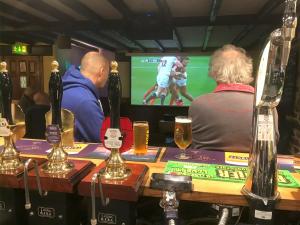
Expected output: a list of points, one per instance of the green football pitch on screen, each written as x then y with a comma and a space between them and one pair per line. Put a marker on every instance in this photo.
144, 71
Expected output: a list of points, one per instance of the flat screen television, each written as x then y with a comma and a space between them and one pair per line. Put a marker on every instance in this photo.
169, 80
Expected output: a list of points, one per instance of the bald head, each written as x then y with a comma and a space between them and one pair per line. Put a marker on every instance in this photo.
95, 67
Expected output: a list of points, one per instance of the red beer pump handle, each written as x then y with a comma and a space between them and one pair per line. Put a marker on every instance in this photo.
126, 131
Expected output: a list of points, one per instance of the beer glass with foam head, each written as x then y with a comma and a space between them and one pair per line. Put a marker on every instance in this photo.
140, 137
183, 135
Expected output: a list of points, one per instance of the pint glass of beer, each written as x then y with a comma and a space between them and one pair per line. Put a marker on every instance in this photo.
140, 137
183, 135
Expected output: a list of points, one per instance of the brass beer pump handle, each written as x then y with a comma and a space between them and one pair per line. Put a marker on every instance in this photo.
56, 92
6, 93
114, 95
3, 67
38, 182
58, 158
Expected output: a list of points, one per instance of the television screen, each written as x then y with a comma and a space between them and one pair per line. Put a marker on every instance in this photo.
169, 80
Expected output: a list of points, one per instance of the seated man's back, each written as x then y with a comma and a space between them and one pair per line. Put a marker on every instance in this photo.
223, 121
35, 117
81, 95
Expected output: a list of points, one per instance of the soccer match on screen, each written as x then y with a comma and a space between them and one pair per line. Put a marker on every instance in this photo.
169, 80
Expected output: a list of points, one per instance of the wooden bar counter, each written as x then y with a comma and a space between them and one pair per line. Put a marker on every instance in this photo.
218, 192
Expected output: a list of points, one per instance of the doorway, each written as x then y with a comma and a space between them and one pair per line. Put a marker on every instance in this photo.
25, 71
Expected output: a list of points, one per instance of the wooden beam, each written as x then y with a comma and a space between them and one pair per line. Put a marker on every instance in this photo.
28, 37
159, 45
42, 37
164, 10
110, 39
4, 7
123, 9
48, 9
165, 13
138, 44
82, 9
9, 22
215, 7
127, 15
123, 25
85, 38
12, 38
260, 16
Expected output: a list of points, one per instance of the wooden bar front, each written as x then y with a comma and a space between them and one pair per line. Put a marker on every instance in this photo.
218, 192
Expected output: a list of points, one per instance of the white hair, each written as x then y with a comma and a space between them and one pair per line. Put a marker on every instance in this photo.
230, 64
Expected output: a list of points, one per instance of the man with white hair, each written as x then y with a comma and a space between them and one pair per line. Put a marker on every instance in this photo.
222, 120
81, 95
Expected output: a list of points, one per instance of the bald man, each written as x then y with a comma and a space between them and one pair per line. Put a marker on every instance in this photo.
81, 95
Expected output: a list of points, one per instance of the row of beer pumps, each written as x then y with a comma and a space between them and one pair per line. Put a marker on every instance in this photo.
59, 179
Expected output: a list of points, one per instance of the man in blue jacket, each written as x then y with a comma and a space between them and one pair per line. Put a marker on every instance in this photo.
81, 95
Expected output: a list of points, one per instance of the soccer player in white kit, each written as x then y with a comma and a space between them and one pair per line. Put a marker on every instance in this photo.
163, 78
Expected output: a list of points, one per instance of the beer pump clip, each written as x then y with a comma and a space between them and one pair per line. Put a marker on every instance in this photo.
261, 186
171, 185
126, 133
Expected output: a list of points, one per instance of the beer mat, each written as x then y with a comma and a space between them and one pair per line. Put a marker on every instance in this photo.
75, 150
196, 155
225, 173
219, 157
99, 151
41, 147
34, 147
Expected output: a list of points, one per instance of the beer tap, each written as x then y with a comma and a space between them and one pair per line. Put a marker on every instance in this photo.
114, 95
261, 184
58, 158
170, 185
55, 93
6, 93
115, 166
12, 126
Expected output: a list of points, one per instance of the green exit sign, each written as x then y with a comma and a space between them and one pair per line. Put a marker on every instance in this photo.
20, 49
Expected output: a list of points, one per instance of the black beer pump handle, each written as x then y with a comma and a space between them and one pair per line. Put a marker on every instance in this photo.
114, 95
6, 93
55, 92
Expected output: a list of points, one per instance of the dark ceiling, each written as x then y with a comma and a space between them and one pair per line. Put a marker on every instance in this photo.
141, 25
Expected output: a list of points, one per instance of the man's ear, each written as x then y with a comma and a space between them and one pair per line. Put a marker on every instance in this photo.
101, 71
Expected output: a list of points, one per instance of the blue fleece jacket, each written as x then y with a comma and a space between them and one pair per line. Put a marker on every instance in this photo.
82, 98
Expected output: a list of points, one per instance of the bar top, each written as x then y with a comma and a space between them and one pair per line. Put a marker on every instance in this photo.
218, 192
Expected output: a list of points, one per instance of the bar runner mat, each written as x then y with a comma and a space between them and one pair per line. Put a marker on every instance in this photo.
223, 173
83, 150
99, 151
219, 157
